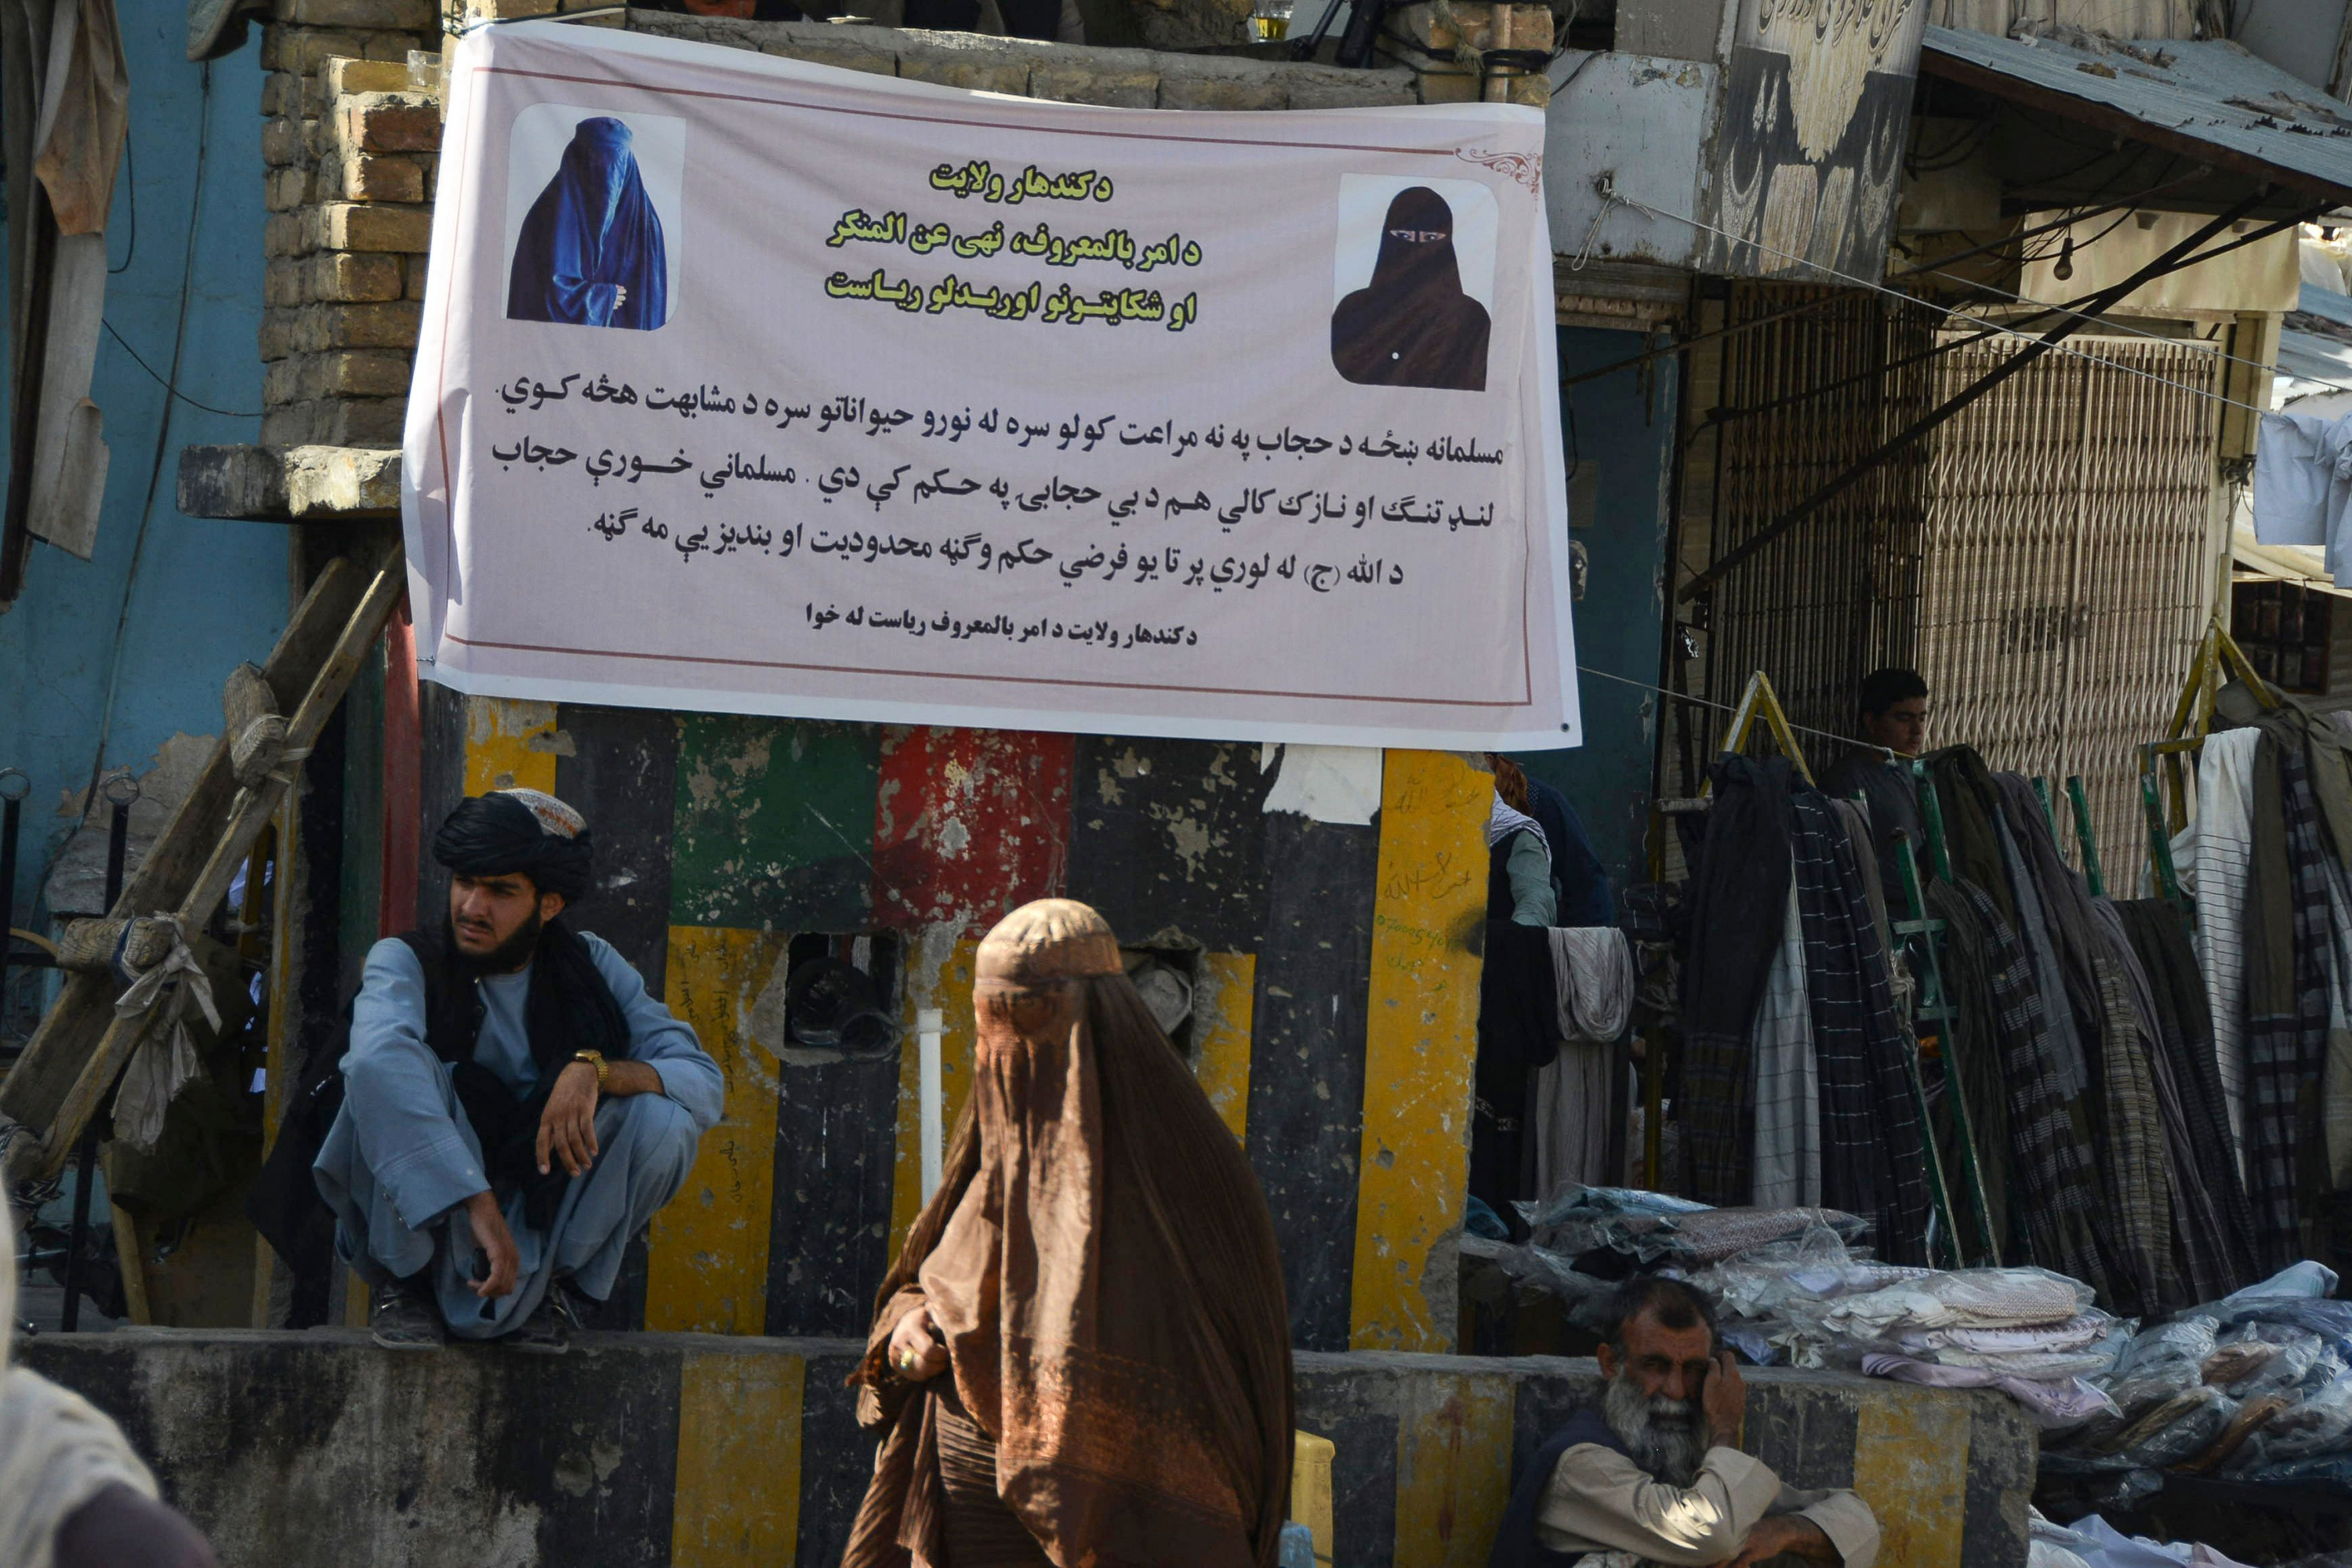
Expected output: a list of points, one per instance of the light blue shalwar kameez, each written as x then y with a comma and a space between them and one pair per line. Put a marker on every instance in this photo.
400, 1156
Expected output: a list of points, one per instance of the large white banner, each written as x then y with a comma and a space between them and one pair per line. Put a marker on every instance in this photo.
753, 385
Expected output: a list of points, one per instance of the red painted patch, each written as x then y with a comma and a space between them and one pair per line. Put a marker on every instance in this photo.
968, 824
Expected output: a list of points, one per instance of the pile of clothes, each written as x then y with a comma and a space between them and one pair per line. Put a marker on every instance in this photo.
1794, 1288
1817, 1301
2256, 1386
2093, 1542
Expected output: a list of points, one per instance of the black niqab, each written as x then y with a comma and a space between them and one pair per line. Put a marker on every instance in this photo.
1413, 325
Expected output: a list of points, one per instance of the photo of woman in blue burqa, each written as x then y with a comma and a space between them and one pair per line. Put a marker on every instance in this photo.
591, 251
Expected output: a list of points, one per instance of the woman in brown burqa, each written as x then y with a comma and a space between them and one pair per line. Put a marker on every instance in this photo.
1413, 325
1097, 1277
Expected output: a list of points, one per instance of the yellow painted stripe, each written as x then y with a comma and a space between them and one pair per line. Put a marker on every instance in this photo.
1225, 998
509, 744
708, 1267
1419, 1046
939, 969
1911, 1466
738, 1488
1453, 1470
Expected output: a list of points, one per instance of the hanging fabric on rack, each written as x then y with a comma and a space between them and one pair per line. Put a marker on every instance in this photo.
1788, 1170
1971, 811
2159, 937
2052, 1187
2118, 1098
2199, 1267
1974, 1042
1874, 1150
1592, 969
2288, 954
1738, 886
1518, 1033
2215, 853
2058, 1008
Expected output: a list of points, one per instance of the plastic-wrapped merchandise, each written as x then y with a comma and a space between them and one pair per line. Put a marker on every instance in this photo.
1813, 1266
2177, 1430
2320, 1423
2183, 1342
1648, 1226
2269, 1360
2331, 1320
2307, 1278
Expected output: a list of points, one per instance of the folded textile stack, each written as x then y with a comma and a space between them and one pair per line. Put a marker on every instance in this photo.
2093, 1542
1794, 1288
2027, 1333
2256, 1386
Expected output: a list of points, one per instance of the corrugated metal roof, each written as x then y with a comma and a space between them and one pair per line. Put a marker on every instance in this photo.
2213, 100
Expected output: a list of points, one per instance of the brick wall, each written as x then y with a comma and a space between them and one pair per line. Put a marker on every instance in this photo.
354, 131
349, 156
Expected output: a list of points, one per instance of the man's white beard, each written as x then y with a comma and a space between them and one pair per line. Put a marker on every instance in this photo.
1663, 1435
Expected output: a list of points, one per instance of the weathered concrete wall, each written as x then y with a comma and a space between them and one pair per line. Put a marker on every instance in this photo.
698, 1450
1334, 964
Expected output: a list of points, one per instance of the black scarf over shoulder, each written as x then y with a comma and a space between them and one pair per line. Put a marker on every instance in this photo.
569, 1008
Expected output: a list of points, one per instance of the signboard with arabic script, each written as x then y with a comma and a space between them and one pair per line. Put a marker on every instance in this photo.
753, 385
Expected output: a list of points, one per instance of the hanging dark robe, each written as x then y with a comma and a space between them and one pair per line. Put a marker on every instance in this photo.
1413, 325
591, 252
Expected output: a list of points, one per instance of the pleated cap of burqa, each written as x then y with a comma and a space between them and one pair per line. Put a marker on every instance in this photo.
1100, 1261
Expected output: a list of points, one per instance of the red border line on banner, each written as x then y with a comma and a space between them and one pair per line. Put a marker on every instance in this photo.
449, 486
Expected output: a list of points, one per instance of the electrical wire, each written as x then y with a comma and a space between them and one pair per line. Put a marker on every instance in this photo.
130, 199
162, 381
162, 434
1992, 327
1709, 702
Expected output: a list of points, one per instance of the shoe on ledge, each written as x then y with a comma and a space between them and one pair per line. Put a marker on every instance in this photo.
405, 1317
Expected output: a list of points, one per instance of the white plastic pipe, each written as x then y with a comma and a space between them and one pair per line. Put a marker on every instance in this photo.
929, 1024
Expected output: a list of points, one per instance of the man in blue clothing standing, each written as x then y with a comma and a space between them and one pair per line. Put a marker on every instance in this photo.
516, 1106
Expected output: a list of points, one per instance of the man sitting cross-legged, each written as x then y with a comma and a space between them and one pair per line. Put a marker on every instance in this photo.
516, 1105
1655, 1475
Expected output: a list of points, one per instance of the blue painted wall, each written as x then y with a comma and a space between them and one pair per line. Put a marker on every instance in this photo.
204, 596
1622, 425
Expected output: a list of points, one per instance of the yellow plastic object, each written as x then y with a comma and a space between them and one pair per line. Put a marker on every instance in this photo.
1310, 1489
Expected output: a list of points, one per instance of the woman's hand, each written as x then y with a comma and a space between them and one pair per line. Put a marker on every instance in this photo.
916, 1353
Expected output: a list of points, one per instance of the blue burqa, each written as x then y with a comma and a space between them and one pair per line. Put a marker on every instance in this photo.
591, 251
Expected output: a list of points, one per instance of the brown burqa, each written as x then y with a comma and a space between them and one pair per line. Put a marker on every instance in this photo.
1100, 1264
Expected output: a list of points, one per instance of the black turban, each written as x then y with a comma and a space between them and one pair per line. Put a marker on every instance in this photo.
518, 830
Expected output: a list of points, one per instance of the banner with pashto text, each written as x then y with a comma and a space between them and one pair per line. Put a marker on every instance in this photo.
759, 386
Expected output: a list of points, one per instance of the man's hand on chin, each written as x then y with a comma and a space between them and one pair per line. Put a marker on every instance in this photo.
1789, 1533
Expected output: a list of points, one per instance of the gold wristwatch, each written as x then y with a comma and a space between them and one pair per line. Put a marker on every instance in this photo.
596, 1060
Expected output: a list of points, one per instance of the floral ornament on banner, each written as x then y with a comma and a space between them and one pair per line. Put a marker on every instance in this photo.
1525, 168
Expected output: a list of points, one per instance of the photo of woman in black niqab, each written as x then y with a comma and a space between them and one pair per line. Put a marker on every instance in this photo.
1413, 325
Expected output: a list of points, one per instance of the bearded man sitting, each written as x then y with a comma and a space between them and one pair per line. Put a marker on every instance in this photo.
517, 1104
1655, 1475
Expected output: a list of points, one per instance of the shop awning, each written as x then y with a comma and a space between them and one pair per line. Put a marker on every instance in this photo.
2250, 561
2211, 101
